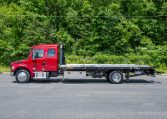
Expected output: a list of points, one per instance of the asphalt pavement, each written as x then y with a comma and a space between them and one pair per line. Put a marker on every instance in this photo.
142, 98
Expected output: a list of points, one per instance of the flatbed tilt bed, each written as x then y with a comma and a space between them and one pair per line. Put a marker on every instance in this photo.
104, 66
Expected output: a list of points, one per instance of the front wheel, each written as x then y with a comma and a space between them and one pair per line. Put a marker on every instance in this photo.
22, 76
115, 77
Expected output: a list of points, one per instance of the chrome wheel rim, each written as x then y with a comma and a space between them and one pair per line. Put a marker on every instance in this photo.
116, 77
22, 76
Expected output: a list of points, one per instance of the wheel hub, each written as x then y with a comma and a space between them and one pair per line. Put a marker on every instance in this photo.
116, 77
22, 76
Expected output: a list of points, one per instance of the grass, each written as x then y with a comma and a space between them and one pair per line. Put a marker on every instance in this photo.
162, 69
4, 68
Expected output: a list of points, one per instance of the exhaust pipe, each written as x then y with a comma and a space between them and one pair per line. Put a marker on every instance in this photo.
62, 58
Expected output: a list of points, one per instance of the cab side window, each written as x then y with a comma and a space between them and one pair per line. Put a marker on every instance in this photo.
38, 53
51, 52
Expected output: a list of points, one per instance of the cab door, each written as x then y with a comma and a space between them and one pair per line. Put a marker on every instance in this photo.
39, 60
51, 59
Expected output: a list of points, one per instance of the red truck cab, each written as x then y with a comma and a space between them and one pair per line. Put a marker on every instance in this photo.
42, 58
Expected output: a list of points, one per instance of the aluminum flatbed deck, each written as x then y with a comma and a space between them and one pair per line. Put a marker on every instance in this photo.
103, 66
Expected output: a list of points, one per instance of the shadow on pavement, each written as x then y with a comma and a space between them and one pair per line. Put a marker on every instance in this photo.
142, 81
86, 81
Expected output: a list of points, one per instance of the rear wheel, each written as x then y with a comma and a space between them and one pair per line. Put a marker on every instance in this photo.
22, 76
115, 77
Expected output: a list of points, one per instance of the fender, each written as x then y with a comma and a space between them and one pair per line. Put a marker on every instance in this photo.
23, 66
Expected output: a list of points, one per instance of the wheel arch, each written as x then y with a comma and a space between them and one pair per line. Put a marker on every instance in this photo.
20, 68
107, 72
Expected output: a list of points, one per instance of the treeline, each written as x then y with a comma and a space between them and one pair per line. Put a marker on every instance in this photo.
98, 31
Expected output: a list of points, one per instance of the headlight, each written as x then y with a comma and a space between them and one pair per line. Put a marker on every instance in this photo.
12, 67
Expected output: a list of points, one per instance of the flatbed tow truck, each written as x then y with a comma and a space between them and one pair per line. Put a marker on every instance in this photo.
44, 63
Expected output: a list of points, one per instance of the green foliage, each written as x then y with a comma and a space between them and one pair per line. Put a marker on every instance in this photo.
93, 31
4, 68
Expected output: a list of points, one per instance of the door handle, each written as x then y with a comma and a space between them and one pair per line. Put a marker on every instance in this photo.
43, 63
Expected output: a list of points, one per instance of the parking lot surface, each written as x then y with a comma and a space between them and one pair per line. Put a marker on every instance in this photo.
142, 98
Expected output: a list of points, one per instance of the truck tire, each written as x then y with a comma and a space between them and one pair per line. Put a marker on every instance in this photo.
22, 76
115, 77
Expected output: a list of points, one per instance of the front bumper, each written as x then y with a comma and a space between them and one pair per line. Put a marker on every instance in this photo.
11, 73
